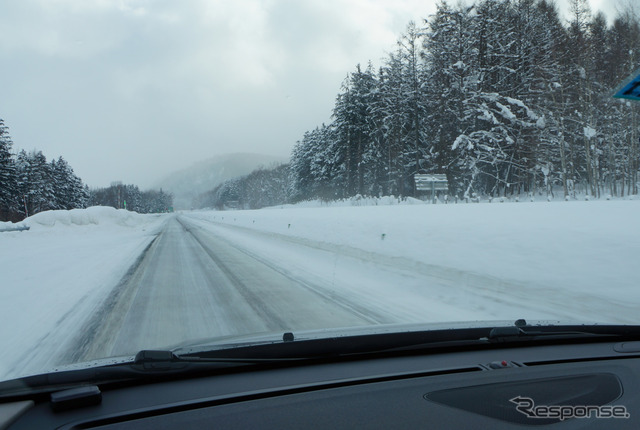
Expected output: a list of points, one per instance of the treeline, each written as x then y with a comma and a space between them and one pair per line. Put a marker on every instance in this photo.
130, 197
504, 97
263, 187
29, 184
501, 96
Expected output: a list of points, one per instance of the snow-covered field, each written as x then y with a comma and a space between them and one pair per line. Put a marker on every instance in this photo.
57, 273
577, 259
565, 260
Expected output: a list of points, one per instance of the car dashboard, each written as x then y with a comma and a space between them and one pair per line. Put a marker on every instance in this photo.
477, 388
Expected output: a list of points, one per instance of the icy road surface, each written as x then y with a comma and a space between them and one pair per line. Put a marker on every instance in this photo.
192, 284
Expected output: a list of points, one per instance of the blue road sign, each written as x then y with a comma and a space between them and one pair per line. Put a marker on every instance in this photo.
631, 89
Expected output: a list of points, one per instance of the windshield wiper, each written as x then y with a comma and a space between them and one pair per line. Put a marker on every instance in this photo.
147, 365
166, 360
150, 364
521, 331
405, 341
506, 334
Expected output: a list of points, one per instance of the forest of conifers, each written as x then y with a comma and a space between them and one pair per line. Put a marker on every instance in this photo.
505, 97
29, 184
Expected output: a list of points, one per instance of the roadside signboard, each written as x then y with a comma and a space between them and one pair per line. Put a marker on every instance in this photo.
630, 89
435, 182
432, 182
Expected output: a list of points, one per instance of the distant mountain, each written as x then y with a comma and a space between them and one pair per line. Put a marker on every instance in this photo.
205, 175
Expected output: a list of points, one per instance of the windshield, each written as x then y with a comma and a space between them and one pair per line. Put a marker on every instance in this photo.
180, 173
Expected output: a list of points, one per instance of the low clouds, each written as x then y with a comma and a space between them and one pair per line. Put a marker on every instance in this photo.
133, 89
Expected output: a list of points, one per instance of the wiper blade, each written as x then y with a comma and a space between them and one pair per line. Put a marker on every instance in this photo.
147, 365
522, 331
511, 333
405, 341
164, 360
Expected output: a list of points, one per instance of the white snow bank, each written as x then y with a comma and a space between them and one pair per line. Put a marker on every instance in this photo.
354, 201
96, 215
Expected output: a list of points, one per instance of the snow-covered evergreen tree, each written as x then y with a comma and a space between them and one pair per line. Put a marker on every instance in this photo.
8, 176
502, 96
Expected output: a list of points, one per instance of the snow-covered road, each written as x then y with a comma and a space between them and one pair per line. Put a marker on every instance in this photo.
192, 284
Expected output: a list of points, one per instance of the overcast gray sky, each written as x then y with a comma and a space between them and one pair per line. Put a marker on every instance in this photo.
131, 90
